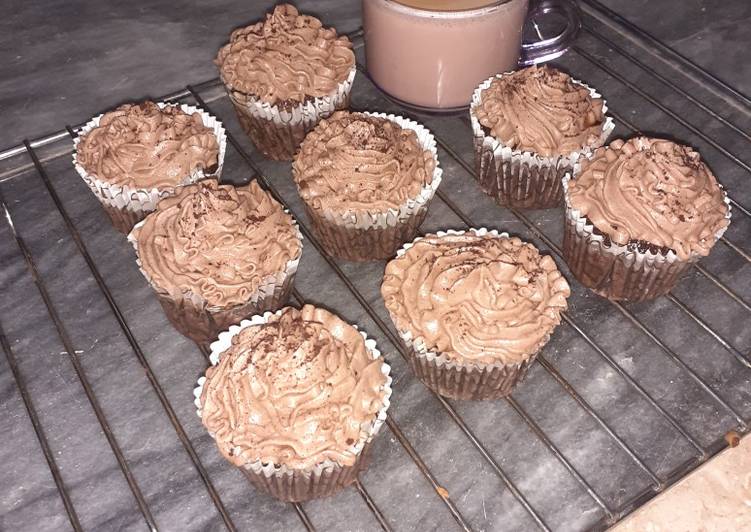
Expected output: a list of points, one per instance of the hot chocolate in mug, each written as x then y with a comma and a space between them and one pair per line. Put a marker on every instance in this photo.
432, 54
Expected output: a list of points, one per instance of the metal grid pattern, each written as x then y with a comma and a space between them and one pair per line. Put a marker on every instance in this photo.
625, 400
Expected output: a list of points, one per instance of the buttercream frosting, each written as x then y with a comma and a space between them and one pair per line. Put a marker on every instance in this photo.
651, 190
298, 390
475, 298
219, 242
287, 57
352, 161
541, 110
145, 146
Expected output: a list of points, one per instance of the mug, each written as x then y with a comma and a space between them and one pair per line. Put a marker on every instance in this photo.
433, 60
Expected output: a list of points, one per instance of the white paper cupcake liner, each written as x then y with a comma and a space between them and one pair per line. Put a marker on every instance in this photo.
463, 379
136, 203
365, 220
363, 235
195, 318
322, 479
617, 271
277, 131
521, 178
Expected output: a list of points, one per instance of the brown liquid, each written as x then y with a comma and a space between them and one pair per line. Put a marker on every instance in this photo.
436, 59
447, 5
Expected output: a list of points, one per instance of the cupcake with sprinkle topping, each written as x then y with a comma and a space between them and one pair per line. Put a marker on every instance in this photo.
366, 180
215, 254
639, 214
295, 398
474, 308
530, 127
136, 155
283, 75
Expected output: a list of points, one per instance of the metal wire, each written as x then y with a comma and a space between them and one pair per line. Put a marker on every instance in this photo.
425, 470
307, 523
712, 278
557, 454
650, 44
703, 324
655, 74
265, 183
80, 373
692, 374
136, 348
672, 114
657, 484
382, 521
39, 431
558, 377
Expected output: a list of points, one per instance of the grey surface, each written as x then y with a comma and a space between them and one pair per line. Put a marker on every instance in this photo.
63, 61
170, 482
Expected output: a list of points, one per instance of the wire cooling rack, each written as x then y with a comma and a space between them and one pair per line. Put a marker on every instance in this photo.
625, 400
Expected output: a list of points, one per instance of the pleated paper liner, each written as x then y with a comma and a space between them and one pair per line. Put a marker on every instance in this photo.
126, 205
524, 179
195, 318
323, 479
459, 379
277, 131
363, 236
620, 272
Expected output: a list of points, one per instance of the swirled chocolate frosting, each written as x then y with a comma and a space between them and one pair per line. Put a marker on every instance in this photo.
216, 241
296, 391
285, 58
541, 110
476, 299
352, 161
651, 190
143, 146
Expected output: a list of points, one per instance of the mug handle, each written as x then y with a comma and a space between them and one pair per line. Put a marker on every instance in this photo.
553, 47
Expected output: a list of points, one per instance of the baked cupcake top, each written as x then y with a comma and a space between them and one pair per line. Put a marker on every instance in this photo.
296, 391
540, 110
651, 190
143, 146
354, 162
286, 58
216, 241
475, 297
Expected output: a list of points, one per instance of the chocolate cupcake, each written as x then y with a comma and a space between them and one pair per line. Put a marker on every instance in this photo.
366, 180
215, 254
140, 153
295, 399
283, 75
473, 308
639, 213
530, 127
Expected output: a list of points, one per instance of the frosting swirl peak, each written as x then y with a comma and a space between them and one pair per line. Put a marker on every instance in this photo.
145, 146
352, 161
651, 190
474, 297
286, 58
542, 110
216, 241
297, 390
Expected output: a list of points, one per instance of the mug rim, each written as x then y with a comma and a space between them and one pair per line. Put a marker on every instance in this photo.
420, 12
